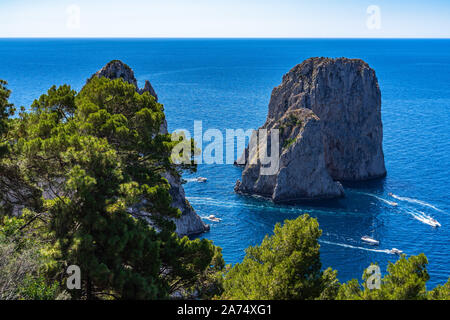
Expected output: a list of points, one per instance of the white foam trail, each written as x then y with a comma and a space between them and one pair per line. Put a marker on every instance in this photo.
422, 217
423, 220
420, 202
355, 247
391, 203
199, 198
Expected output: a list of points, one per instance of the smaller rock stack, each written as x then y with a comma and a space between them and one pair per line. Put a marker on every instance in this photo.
189, 223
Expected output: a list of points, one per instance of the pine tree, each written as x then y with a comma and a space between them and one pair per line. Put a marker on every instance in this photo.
405, 280
99, 159
285, 266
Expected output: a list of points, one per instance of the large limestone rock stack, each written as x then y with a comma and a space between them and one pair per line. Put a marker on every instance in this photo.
189, 223
328, 112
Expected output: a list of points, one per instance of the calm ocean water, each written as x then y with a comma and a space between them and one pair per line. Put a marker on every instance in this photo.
227, 84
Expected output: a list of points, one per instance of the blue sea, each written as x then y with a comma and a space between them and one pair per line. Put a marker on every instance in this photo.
227, 85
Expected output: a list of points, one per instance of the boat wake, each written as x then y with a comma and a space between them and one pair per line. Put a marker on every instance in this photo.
416, 214
198, 179
424, 218
387, 251
416, 201
199, 198
391, 203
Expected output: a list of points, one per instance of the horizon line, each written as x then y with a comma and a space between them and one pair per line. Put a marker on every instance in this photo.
235, 38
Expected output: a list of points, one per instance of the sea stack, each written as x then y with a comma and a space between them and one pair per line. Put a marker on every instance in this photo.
117, 69
328, 114
189, 223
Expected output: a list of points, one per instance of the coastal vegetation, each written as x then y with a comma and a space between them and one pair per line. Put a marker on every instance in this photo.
287, 266
81, 183
82, 161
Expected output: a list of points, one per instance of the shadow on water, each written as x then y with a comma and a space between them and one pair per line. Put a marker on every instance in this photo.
374, 185
353, 202
355, 197
315, 203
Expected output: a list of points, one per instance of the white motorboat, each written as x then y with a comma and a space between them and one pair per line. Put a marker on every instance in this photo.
396, 251
434, 223
427, 219
213, 218
201, 179
370, 240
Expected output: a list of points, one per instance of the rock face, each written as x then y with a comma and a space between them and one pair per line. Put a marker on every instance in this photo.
148, 88
328, 112
189, 223
301, 174
117, 69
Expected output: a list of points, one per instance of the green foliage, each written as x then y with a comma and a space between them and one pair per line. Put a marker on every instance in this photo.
330, 285
441, 292
285, 266
293, 121
60, 101
98, 157
6, 110
209, 284
406, 280
288, 142
14, 266
93, 229
21, 231
21, 260
36, 288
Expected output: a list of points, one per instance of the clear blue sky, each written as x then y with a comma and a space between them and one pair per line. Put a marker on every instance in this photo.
231, 18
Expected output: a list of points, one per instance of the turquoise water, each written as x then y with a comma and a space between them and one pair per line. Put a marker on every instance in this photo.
227, 84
